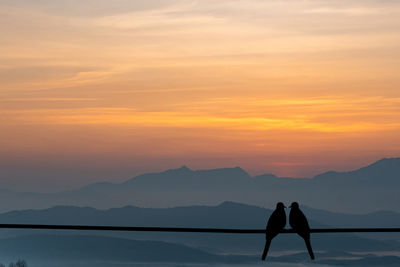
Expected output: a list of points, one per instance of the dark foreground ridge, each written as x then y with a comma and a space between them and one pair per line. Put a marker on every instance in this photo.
189, 230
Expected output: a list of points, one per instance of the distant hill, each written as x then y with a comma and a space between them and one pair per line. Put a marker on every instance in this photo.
225, 215
101, 248
89, 250
339, 258
371, 188
381, 173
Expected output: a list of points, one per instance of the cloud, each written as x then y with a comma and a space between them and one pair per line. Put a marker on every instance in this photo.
161, 20
330, 115
47, 99
39, 73
45, 77
357, 11
87, 8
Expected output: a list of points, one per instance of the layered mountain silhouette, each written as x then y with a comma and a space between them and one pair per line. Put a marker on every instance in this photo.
101, 248
371, 188
225, 215
83, 250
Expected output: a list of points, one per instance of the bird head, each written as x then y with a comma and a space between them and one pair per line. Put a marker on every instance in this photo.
294, 205
280, 205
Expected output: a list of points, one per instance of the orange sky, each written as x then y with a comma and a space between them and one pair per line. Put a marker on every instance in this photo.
104, 90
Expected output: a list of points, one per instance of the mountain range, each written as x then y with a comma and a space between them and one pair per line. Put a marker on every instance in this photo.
91, 251
371, 188
101, 248
93, 247
225, 215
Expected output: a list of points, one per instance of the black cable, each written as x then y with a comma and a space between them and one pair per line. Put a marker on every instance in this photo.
188, 230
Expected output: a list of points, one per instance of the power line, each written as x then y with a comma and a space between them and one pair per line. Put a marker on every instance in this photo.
188, 230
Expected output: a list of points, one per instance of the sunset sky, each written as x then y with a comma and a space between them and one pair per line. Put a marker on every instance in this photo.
95, 90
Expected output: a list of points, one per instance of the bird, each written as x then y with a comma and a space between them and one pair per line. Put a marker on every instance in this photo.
299, 224
276, 223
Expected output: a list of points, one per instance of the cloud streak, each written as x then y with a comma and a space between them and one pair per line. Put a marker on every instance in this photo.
330, 115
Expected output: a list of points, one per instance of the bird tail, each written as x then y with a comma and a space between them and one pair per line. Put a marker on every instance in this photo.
266, 248
309, 248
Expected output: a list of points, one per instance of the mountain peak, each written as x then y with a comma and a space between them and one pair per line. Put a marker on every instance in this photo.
235, 205
183, 169
386, 165
382, 165
385, 162
383, 169
232, 172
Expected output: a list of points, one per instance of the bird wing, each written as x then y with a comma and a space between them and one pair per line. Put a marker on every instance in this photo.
299, 223
276, 222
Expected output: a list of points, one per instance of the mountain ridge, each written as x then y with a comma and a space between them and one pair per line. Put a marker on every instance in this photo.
370, 188
225, 215
384, 162
184, 170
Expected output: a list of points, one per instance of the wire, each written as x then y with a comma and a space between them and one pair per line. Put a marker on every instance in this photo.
188, 230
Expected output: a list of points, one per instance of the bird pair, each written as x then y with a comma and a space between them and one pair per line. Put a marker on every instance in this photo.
277, 221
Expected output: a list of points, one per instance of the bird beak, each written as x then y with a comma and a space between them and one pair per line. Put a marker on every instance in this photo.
284, 206
290, 206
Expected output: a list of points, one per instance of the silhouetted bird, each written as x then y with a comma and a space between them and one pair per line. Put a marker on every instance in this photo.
276, 223
299, 223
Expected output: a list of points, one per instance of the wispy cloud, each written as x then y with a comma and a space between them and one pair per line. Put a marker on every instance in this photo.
356, 11
91, 8
320, 115
47, 99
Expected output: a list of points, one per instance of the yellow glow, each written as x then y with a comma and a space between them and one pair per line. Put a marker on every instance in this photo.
322, 115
